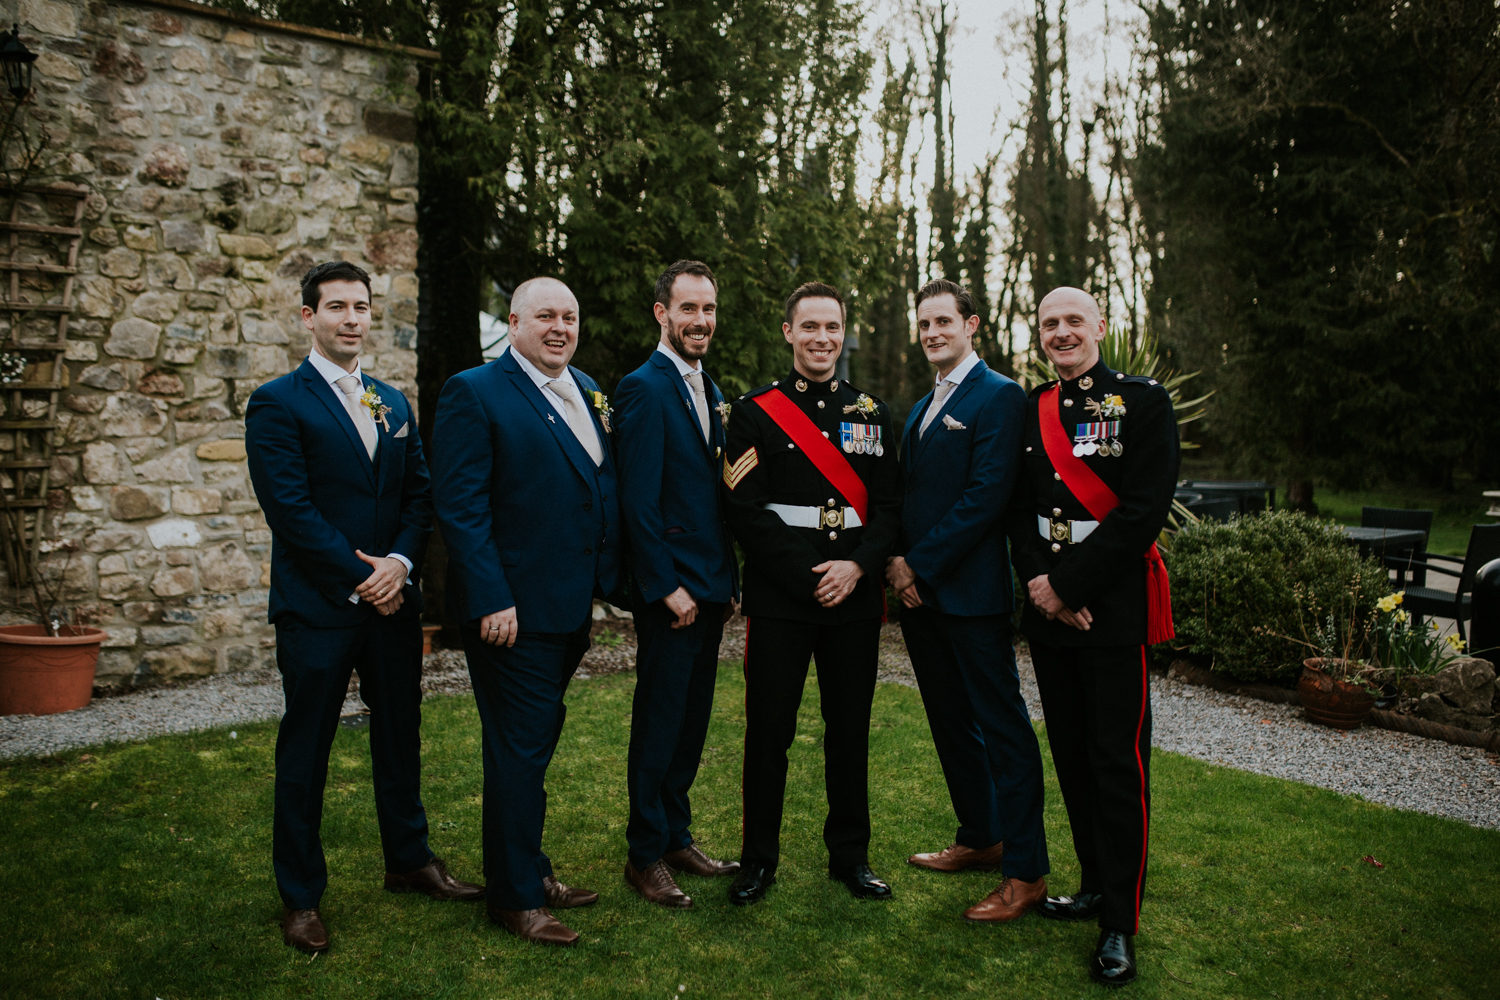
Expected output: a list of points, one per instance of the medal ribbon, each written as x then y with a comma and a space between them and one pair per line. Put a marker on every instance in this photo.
1099, 499
820, 451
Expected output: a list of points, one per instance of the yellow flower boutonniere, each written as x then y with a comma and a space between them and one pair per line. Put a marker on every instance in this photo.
602, 407
864, 405
378, 410
723, 411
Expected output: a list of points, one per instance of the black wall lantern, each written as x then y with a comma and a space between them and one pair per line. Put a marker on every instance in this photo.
15, 61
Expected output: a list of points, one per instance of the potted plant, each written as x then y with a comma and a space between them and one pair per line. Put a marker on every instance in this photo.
48, 667
1334, 687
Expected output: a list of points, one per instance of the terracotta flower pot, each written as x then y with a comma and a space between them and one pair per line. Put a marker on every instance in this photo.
1331, 702
42, 674
428, 631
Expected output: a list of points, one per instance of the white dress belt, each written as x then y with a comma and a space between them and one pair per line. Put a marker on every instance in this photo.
816, 517
1056, 529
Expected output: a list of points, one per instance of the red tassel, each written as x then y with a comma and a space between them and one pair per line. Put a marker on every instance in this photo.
1159, 626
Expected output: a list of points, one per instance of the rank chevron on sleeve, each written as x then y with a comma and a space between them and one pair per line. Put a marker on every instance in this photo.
741, 468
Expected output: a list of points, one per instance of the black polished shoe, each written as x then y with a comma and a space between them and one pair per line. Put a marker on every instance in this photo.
1084, 906
862, 882
750, 883
1113, 963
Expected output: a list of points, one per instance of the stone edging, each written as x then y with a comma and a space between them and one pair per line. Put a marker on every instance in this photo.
250, 20
1186, 672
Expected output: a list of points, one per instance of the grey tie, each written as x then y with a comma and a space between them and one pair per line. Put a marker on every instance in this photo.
700, 400
578, 419
353, 388
938, 395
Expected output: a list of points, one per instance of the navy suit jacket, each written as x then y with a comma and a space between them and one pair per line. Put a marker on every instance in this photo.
669, 485
324, 498
528, 520
958, 482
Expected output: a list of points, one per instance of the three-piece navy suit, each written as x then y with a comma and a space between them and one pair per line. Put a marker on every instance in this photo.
959, 477
323, 497
669, 502
531, 523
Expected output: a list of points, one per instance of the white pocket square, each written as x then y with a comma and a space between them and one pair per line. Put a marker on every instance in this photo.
405, 430
952, 425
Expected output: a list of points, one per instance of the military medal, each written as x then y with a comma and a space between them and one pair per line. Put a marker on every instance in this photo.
1095, 438
861, 439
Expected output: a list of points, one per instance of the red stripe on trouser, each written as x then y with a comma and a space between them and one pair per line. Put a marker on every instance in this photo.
745, 670
1141, 770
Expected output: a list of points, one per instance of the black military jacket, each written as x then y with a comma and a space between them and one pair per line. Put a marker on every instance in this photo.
761, 466
1106, 572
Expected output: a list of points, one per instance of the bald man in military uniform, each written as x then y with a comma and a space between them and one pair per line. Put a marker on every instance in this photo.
1101, 461
812, 491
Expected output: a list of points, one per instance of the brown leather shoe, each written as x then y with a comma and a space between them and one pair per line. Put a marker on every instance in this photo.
656, 885
537, 925
432, 879
692, 860
1010, 900
304, 930
957, 858
565, 897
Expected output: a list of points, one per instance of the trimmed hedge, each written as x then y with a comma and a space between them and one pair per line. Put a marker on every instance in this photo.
1233, 584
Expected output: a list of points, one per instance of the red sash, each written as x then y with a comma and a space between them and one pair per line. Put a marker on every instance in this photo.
826, 458
1092, 492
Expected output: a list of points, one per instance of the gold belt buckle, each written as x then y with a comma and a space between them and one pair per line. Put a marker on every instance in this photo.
1062, 530
832, 518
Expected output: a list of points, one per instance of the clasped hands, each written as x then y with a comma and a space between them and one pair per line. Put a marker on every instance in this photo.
385, 586
1052, 606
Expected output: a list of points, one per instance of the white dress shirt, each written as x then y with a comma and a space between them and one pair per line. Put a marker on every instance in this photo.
683, 367
541, 379
332, 373
955, 378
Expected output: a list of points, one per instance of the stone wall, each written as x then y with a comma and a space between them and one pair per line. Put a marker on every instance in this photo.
225, 157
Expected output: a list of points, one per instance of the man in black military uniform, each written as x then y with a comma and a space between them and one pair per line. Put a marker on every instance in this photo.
813, 495
1100, 465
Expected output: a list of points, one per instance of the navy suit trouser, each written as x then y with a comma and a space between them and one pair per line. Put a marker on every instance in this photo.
675, 671
315, 665
519, 690
1098, 705
966, 670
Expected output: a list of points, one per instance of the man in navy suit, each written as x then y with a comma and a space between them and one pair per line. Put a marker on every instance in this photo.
670, 439
337, 466
961, 456
526, 498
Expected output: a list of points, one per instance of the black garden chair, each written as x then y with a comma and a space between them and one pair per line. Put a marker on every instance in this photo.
1400, 518
1484, 545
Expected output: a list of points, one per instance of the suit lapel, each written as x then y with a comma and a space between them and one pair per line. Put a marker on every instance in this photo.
323, 392
909, 435
674, 378
950, 406
715, 420
554, 421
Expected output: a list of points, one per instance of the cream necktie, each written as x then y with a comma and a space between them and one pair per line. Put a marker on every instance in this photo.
578, 419
700, 400
353, 388
938, 395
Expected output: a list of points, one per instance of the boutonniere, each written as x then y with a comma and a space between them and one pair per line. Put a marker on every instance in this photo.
723, 411
1113, 406
602, 407
864, 404
378, 410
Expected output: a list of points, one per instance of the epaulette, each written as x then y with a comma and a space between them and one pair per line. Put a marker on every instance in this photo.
758, 390
1135, 379
1037, 390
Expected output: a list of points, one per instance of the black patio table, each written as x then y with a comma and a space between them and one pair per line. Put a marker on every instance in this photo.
1384, 541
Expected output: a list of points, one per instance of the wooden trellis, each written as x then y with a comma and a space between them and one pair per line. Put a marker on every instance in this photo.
31, 415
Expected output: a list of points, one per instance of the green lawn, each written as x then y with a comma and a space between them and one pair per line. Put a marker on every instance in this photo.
143, 871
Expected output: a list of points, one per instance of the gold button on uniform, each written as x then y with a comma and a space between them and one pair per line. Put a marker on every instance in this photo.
1056, 475
1067, 402
1056, 511
833, 534
830, 502
1056, 547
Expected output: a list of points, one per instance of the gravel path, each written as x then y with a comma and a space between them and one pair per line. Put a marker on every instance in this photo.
1396, 769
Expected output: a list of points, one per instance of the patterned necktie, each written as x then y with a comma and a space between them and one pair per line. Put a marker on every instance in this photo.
353, 388
700, 400
578, 419
938, 395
